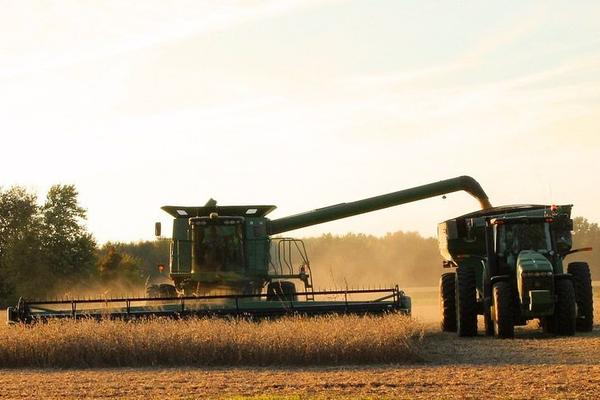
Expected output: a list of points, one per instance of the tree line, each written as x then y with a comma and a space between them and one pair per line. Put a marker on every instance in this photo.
46, 251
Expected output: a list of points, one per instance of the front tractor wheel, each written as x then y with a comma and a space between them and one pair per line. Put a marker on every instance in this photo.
448, 301
466, 302
565, 312
504, 320
582, 282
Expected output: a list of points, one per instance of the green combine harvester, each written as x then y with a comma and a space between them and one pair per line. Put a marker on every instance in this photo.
227, 261
510, 267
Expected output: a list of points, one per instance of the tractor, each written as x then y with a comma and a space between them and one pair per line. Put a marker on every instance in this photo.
510, 267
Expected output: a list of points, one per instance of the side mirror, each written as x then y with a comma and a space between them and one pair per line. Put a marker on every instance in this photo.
157, 229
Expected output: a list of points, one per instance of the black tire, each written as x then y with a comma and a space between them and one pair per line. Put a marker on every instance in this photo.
548, 325
565, 311
582, 283
488, 321
448, 301
281, 291
161, 291
466, 301
504, 317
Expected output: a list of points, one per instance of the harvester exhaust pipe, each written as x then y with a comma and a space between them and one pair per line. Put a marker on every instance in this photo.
343, 210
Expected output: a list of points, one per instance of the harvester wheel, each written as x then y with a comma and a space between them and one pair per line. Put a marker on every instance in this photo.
582, 282
504, 323
161, 291
466, 301
448, 301
565, 312
281, 291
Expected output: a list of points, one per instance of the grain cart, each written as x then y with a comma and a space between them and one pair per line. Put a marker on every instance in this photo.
509, 265
225, 260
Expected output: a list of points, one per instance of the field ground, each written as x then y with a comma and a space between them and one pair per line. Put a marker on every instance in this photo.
531, 366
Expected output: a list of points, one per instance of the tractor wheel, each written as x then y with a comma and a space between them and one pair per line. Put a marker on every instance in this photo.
548, 325
565, 312
466, 302
281, 291
448, 301
488, 321
504, 322
582, 282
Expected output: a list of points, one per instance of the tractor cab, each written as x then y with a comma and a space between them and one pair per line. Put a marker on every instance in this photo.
513, 236
523, 237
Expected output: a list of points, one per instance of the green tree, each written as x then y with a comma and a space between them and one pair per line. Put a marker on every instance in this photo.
118, 267
587, 234
69, 249
19, 242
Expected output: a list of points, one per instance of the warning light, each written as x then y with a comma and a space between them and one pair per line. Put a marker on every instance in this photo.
161, 268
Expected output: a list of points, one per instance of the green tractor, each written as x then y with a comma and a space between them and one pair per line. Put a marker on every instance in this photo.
510, 268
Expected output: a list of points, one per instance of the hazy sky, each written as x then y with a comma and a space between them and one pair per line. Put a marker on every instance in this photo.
301, 104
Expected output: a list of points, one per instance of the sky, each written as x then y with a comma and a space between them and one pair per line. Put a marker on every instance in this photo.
300, 104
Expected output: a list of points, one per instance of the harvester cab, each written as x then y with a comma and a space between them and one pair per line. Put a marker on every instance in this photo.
227, 249
230, 260
510, 268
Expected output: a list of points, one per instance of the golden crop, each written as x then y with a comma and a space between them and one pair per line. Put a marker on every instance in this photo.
211, 341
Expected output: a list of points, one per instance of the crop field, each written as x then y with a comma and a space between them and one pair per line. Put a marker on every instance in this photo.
325, 340
346, 357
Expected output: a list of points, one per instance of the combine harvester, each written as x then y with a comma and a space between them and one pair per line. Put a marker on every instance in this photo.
223, 261
510, 268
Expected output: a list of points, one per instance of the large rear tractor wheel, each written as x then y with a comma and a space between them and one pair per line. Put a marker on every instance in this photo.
466, 302
281, 291
504, 320
448, 301
582, 282
565, 312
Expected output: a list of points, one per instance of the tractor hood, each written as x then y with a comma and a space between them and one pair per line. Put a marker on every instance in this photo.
532, 261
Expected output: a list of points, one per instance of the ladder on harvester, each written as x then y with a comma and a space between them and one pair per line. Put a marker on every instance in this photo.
292, 252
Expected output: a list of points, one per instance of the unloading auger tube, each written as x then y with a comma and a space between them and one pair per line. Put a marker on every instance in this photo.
343, 210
